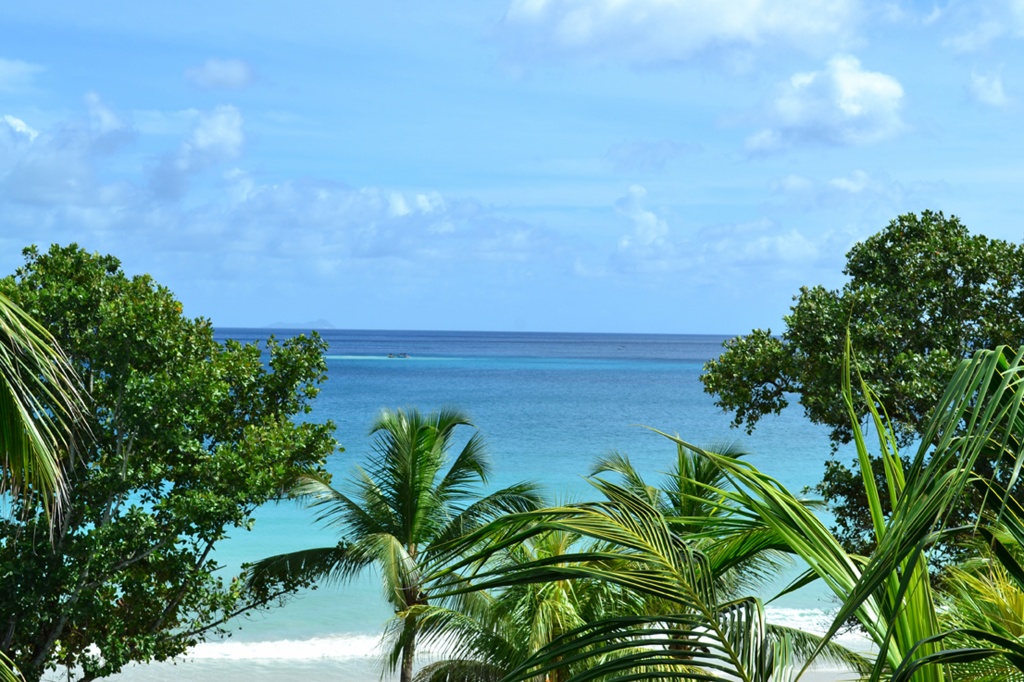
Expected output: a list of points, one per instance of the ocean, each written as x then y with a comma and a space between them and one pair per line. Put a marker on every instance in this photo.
547, 405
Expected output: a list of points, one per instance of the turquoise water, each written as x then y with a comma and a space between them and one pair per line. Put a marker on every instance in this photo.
547, 405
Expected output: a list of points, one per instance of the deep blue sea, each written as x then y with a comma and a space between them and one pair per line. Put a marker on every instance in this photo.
547, 405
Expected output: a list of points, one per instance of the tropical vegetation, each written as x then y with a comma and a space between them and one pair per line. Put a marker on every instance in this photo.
654, 582
412, 499
41, 408
923, 294
116, 502
41, 405
187, 437
695, 631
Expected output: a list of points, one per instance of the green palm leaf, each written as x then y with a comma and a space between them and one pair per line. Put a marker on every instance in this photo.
398, 513
889, 592
40, 405
695, 636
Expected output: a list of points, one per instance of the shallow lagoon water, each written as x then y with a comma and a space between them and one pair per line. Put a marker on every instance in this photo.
547, 405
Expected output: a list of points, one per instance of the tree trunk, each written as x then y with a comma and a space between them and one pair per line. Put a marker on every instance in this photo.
409, 649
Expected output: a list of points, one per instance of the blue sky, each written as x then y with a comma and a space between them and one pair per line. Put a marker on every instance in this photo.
535, 165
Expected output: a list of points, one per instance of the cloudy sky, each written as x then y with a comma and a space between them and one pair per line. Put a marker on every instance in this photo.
550, 165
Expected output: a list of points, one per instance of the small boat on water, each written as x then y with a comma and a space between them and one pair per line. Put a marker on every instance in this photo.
398, 355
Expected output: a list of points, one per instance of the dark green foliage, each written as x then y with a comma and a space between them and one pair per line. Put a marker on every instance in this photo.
923, 295
190, 437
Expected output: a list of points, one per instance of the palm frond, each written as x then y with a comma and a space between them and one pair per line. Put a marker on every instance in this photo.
684, 646
366, 516
8, 671
793, 644
41, 408
636, 550
304, 567
619, 463
470, 467
515, 499
460, 670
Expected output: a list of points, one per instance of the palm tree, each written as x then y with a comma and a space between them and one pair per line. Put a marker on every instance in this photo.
685, 630
689, 496
981, 594
399, 512
981, 416
687, 491
40, 402
521, 619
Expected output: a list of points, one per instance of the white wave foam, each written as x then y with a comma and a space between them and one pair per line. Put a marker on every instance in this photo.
367, 646
817, 622
331, 647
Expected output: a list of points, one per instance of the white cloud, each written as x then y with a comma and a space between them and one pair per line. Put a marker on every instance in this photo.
16, 74
653, 247
1016, 9
792, 183
858, 182
318, 228
758, 243
842, 105
335, 223
988, 89
221, 73
647, 247
648, 228
16, 138
107, 129
16, 125
218, 136
58, 167
933, 16
977, 26
873, 197
176, 123
667, 30
891, 12
430, 202
240, 185
102, 118
50, 169
397, 206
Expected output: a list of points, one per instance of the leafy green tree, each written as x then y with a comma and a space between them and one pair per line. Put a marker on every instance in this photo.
922, 295
40, 405
189, 437
890, 590
400, 512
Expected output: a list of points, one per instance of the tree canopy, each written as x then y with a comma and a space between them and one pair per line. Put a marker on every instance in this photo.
923, 294
190, 436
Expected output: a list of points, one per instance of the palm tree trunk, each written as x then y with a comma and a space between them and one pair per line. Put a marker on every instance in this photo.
409, 649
